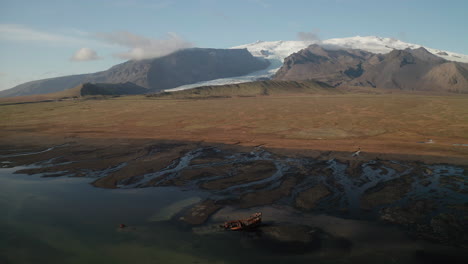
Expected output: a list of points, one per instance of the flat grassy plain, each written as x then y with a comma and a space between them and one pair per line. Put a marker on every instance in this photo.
379, 124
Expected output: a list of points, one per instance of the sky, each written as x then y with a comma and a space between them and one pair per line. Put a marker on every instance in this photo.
43, 39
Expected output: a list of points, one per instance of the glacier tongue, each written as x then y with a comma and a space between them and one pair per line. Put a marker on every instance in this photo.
274, 51
277, 51
266, 73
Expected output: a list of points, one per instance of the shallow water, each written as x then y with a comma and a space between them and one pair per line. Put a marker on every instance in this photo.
66, 220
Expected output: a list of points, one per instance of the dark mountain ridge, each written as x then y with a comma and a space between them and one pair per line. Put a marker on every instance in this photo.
179, 68
409, 69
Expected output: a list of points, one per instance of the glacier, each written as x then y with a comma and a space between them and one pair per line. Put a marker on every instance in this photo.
277, 51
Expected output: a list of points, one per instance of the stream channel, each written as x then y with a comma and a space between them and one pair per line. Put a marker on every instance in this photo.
66, 220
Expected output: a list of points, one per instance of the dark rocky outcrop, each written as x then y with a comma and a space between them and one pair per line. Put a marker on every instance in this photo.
330, 66
111, 89
179, 68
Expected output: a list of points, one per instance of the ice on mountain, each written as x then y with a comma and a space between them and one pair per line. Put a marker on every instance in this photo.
277, 51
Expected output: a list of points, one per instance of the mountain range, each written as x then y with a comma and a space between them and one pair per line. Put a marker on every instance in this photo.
176, 69
357, 61
409, 69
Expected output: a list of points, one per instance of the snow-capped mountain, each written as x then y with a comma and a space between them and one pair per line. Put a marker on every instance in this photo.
282, 49
277, 51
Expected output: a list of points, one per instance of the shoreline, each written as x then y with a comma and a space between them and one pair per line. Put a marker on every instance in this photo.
458, 157
423, 197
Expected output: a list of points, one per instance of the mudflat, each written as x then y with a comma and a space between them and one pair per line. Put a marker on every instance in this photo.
400, 158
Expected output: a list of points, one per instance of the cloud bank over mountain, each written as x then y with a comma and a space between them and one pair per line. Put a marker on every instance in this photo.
140, 47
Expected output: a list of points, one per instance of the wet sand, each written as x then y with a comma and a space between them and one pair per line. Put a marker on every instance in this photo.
428, 200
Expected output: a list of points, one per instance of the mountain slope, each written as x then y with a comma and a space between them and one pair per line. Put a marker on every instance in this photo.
316, 63
416, 69
45, 86
195, 65
453, 74
179, 68
409, 69
277, 51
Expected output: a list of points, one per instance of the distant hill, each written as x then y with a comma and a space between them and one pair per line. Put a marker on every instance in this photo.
81, 91
258, 88
179, 68
409, 69
415, 70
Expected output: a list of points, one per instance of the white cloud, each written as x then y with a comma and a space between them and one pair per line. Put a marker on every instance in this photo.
13, 32
309, 36
85, 54
69, 37
141, 47
138, 47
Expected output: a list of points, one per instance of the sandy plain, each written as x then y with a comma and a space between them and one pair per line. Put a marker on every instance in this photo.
425, 127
